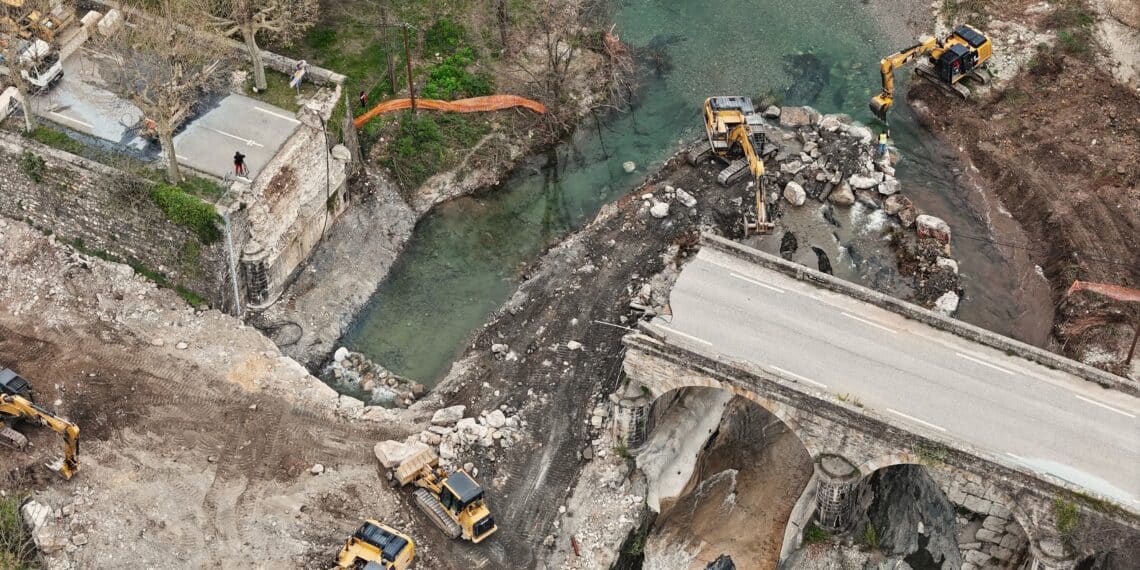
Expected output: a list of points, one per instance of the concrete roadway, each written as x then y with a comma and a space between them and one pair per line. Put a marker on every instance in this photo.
237, 123
936, 382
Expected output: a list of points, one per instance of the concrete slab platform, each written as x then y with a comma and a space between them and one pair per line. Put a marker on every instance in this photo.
80, 104
236, 124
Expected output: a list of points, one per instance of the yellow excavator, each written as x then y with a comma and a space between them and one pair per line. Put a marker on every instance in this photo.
733, 138
377, 546
945, 62
454, 502
16, 405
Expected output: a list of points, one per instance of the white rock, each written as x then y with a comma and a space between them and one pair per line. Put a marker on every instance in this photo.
685, 198
772, 112
499, 348
340, 354
947, 303
574, 345
792, 167
496, 419
829, 123
391, 453
842, 195
629, 166
947, 263
158, 342
659, 210
794, 194
447, 450
317, 469
182, 346
861, 182
863, 134
889, 186
448, 416
931, 226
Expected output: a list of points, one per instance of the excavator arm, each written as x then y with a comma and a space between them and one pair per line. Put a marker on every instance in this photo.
740, 135
20, 408
882, 102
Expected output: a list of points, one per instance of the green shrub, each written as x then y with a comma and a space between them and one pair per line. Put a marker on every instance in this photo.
449, 79
186, 210
1066, 515
56, 139
33, 166
417, 151
320, 37
16, 550
443, 37
871, 537
813, 534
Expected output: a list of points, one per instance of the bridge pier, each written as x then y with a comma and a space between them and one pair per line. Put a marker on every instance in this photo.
836, 492
630, 409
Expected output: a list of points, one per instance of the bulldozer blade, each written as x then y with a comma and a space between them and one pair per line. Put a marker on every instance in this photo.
410, 469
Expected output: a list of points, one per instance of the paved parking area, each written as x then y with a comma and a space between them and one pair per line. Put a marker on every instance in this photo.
236, 124
206, 143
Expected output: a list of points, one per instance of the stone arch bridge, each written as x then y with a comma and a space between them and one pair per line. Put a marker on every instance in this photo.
741, 321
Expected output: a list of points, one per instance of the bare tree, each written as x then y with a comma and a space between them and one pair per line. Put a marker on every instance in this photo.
166, 62
32, 63
284, 19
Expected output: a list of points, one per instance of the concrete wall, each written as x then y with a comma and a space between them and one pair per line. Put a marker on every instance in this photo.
964, 330
109, 210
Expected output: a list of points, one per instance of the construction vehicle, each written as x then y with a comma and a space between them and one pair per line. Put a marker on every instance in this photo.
945, 62
453, 502
732, 127
39, 64
377, 546
16, 405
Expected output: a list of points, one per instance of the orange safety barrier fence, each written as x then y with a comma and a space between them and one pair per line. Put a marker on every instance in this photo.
472, 105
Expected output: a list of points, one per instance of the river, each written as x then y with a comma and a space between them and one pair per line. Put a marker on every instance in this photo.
462, 259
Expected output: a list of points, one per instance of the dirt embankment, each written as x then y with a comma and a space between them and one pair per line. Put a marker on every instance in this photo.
1059, 143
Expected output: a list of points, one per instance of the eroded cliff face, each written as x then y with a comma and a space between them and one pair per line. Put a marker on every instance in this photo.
908, 517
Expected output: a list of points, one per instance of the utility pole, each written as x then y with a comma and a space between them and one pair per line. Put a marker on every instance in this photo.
408, 58
388, 48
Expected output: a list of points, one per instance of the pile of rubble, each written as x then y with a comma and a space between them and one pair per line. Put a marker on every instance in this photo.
354, 372
455, 437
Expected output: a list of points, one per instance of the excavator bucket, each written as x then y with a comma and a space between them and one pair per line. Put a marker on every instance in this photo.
410, 469
879, 107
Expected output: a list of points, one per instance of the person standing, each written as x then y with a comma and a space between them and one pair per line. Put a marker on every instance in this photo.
239, 164
363, 100
884, 138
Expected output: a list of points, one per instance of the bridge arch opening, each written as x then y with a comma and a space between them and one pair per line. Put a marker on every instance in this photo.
728, 473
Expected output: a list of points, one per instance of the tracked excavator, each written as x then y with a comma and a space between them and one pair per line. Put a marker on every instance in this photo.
454, 502
377, 546
16, 405
731, 125
945, 62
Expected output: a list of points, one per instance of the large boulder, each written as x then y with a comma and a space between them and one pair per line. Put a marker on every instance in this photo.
772, 112
794, 194
860, 133
48, 536
861, 182
798, 116
448, 416
391, 453
933, 227
889, 186
1126, 11
842, 195
659, 210
896, 203
947, 304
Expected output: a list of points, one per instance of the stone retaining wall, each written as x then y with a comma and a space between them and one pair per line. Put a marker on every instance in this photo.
104, 209
962, 329
989, 538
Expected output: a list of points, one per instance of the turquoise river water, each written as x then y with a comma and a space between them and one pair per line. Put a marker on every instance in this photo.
460, 263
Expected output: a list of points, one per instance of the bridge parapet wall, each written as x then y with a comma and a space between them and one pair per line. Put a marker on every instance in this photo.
911, 311
870, 441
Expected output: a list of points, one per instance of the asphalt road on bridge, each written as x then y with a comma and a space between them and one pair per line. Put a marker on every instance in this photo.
936, 382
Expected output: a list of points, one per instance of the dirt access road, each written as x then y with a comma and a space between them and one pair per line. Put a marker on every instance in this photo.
1060, 144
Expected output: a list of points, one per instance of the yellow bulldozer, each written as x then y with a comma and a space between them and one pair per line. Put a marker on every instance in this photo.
945, 62
731, 125
454, 502
377, 546
16, 405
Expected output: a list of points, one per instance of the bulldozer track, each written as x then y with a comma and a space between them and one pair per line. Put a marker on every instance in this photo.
427, 503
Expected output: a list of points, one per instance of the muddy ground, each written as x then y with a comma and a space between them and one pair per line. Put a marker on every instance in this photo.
1059, 144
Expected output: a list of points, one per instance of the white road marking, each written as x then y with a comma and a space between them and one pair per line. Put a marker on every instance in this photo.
755, 282
76, 121
1017, 457
866, 322
248, 142
914, 419
689, 336
984, 363
797, 376
1106, 406
278, 115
